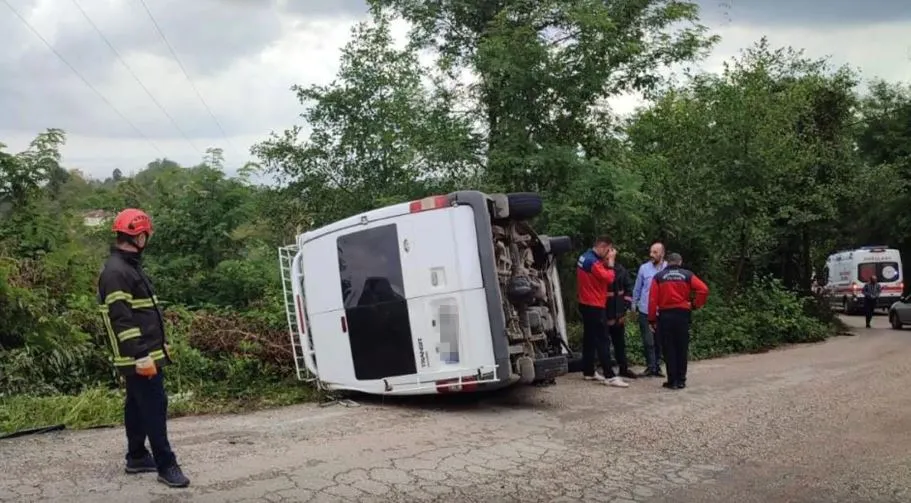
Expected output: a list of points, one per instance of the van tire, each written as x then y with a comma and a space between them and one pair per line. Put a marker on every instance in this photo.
560, 245
524, 205
574, 362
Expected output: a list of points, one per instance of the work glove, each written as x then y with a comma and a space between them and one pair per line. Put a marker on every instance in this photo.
146, 367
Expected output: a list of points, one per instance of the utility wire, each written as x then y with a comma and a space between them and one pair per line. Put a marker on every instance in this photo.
185, 73
135, 77
81, 77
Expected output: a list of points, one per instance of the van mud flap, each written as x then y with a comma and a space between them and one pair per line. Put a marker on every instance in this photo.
551, 368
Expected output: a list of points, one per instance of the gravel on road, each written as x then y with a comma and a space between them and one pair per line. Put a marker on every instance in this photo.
826, 422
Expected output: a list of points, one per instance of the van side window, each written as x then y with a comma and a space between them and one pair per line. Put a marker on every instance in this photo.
379, 328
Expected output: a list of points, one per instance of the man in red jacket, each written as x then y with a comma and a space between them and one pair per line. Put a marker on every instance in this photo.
674, 293
594, 276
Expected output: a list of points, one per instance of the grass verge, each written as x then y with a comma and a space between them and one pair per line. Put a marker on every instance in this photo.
102, 407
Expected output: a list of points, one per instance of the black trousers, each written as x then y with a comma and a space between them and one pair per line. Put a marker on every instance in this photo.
674, 330
145, 415
594, 340
617, 333
869, 308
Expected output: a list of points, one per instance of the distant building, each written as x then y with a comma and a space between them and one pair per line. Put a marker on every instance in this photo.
95, 218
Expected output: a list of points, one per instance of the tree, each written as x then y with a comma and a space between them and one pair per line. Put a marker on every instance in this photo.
377, 135
748, 167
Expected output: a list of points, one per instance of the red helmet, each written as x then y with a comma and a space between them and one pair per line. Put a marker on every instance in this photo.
132, 222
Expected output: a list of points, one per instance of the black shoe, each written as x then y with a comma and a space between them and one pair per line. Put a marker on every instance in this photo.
144, 464
650, 373
629, 374
680, 385
173, 477
669, 385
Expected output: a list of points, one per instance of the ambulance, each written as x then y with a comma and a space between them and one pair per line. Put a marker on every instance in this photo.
848, 270
450, 293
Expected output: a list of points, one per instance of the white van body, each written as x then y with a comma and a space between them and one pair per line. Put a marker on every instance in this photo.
439, 295
848, 270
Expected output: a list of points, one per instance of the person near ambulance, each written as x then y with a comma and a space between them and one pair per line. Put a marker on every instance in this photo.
674, 293
135, 328
650, 342
871, 292
594, 275
619, 302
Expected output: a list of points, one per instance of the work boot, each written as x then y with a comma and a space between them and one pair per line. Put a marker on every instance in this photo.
145, 464
173, 476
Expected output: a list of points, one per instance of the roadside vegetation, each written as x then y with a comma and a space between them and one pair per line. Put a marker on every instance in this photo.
754, 174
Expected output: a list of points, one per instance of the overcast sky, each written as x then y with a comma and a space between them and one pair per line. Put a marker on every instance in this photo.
243, 55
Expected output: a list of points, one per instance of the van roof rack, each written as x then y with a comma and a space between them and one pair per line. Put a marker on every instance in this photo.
874, 247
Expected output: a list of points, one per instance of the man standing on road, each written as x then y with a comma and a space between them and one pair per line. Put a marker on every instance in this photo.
619, 302
650, 343
594, 275
674, 293
872, 290
135, 330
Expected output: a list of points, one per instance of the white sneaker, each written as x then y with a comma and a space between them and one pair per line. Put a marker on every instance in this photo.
597, 377
617, 382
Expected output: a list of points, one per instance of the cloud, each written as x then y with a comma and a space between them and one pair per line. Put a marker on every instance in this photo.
805, 13
243, 56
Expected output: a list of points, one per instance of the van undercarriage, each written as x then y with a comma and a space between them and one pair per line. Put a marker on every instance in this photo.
529, 302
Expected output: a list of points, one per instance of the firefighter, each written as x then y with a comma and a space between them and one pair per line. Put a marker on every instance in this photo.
674, 293
135, 329
594, 275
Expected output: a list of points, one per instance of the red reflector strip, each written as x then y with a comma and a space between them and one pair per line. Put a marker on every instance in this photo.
452, 385
344, 325
428, 203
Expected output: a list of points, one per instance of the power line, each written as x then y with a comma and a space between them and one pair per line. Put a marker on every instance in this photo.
135, 77
81, 77
185, 73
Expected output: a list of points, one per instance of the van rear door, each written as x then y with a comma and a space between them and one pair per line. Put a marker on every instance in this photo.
357, 306
446, 298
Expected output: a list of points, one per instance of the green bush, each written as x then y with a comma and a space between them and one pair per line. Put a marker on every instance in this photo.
763, 316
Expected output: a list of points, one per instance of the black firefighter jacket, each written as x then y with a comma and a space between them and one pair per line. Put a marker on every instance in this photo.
129, 308
619, 294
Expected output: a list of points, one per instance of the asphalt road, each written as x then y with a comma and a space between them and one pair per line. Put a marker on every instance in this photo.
828, 422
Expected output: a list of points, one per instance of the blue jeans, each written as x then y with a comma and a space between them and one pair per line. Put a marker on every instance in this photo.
145, 416
650, 344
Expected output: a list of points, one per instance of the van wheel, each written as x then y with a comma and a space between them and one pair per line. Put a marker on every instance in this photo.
524, 205
560, 245
893, 320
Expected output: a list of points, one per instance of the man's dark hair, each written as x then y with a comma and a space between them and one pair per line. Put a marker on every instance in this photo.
603, 240
674, 258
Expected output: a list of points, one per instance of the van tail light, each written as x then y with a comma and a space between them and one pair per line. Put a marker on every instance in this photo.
856, 287
428, 203
469, 383
344, 325
301, 323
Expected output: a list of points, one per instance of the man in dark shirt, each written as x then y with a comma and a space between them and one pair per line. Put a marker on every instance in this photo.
619, 302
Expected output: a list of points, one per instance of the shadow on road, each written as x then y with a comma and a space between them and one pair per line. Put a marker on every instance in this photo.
514, 397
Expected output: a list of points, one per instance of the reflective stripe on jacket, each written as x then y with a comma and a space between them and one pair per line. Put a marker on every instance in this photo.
129, 310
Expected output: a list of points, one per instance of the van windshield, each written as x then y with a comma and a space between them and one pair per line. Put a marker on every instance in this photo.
885, 272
